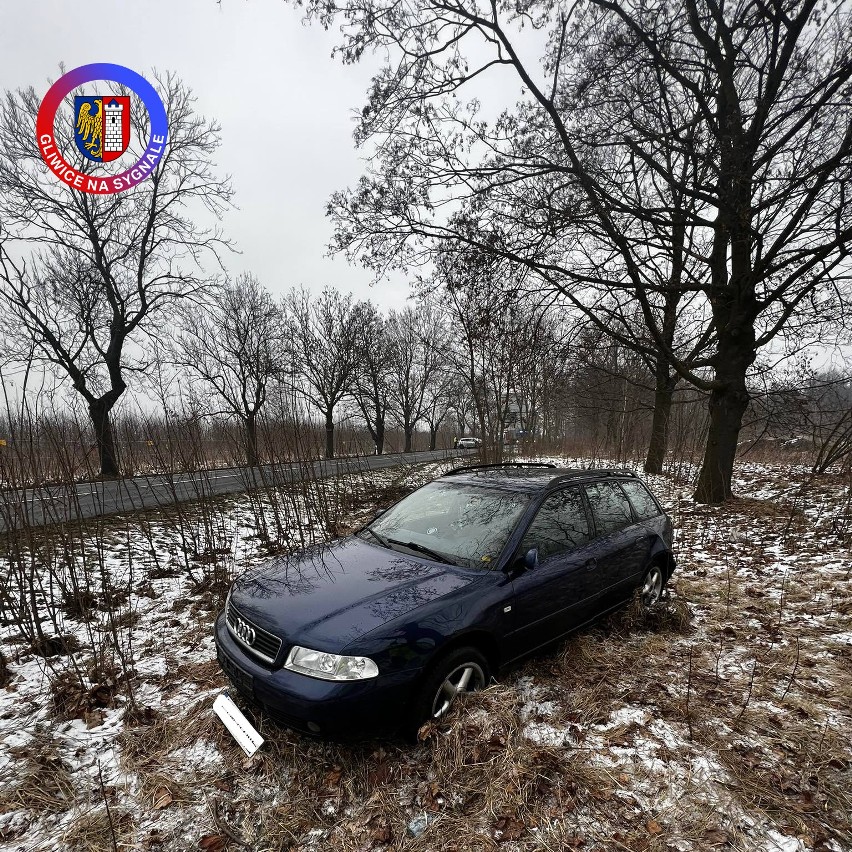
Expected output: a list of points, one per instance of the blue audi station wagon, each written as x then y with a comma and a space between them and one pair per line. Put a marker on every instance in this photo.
382, 630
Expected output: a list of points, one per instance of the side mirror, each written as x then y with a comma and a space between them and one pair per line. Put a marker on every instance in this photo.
525, 562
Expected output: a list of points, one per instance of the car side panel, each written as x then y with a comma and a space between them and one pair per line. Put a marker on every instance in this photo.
552, 599
623, 555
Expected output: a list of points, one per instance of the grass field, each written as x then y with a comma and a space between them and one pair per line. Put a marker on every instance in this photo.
723, 720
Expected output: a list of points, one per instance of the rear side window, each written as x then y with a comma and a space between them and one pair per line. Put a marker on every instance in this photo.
560, 525
609, 506
643, 503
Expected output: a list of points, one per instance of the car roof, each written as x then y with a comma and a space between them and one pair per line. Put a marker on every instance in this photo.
529, 476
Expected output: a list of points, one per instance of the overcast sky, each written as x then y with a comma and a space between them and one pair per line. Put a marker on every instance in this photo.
286, 110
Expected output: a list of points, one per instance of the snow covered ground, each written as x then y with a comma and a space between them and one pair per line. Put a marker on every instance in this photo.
722, 721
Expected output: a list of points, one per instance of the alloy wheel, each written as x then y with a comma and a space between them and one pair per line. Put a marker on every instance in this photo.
468, 677
652, 590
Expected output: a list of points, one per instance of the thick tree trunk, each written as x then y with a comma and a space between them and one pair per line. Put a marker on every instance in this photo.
733, 301
409, 435
251, 440
663, 395
107, 456
433, 437
735, 352
379, 437
727, 407
329, 435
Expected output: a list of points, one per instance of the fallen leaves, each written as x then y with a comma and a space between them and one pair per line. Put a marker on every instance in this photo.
162, 798
653, 827
380, 830
507, 828
715, 837
479, 781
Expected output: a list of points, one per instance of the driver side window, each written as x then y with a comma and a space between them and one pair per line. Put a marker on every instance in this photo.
560, 525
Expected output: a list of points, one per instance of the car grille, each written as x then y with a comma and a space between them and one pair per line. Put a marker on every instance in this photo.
254, 639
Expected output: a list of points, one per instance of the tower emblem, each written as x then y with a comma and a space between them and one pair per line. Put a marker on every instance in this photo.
102, 126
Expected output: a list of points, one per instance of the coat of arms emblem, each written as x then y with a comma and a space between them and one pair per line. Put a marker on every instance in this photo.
102, 126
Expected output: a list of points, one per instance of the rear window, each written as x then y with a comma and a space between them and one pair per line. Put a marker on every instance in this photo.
609, 506
643, 503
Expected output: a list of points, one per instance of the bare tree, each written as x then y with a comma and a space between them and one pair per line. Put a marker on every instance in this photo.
438, 399
235, 345
458, 399
371, 388
489, 329
753, 154
84, 279
415, 342
324, 333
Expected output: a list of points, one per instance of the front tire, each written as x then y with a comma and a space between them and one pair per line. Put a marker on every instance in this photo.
461, 671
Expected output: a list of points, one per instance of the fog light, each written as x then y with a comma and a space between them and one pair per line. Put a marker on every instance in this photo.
314, 728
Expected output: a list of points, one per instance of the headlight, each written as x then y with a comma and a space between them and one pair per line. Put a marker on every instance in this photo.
329, 666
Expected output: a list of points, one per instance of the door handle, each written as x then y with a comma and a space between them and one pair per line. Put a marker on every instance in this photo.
590, 564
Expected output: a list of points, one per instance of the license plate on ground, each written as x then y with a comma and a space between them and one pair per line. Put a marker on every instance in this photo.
241, 729
243, 681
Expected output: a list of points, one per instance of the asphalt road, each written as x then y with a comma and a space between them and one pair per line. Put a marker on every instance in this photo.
69, 502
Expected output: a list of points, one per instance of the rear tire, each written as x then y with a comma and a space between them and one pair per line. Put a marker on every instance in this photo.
462, 670
653, 584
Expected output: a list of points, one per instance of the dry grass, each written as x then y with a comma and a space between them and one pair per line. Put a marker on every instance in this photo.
105, 829
44, 781
721, 713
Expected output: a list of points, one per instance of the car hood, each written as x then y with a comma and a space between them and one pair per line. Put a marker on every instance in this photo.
326, 597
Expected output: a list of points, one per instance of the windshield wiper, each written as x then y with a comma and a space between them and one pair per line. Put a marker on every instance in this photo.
379, 538
420, 548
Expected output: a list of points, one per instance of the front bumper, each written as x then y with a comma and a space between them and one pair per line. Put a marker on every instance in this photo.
318, 707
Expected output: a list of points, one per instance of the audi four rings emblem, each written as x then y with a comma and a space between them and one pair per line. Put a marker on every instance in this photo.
244, 631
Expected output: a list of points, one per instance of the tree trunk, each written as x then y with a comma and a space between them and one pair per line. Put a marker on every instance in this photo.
663, 394
733, 302
409, 434
664, 382
251, 440
727, 407
107, 456
329, 435
729, 398
379, 437
461, 424
433, 437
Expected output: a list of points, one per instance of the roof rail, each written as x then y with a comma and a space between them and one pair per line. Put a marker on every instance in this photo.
598, 471
498, 465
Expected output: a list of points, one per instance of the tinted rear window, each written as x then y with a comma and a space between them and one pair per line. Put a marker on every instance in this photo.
643, 503
609, 506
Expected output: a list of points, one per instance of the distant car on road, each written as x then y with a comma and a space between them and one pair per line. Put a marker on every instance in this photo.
464, 576
469, 443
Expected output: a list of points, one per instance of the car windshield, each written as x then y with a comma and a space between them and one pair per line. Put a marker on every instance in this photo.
461, 524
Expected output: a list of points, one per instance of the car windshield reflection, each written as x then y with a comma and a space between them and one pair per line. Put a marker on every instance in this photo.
459, 524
